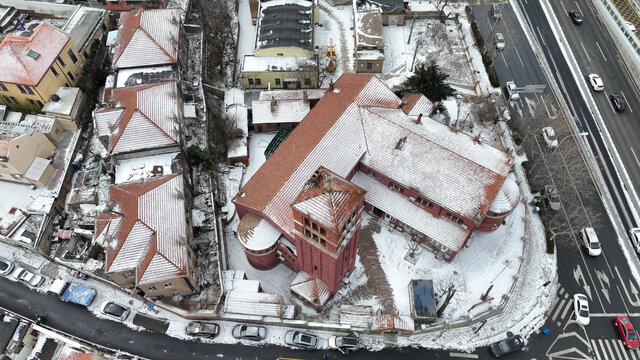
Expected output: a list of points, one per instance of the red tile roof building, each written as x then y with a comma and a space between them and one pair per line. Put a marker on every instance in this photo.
420, 175
148, 236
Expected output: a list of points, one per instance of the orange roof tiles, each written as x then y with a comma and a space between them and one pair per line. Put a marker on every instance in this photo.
20, 68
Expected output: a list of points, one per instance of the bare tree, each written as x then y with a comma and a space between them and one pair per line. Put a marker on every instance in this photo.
451, 291
414, 245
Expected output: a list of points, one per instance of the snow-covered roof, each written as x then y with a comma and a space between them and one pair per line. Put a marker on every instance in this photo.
356, 316
368, 29
233, 96
64, 106
147, 38
277, 63
40, 122
283, 111
151, 235
310, 94
148, 111
310, 288
83, 23
393, 322
285, 23
36, 169
256, 234
416, 104
443, 230
26, 60
371, 55
238, 148
145, 167
507, 197
253, 303
144, 75
386, 6
239, 114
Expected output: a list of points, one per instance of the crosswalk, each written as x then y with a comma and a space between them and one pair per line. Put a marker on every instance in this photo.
562, 306
612, 349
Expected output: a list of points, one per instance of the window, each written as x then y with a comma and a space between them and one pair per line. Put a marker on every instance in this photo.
277, 81
84, 53
61, 62
168, 285
369, 66
258, 82
41, 105
71, 76
151, 288
57, 130
250, 81
72, 56
22, 88
53, 70
103, 27
13, 100
4, 166
2, 87
307, 81
32, 102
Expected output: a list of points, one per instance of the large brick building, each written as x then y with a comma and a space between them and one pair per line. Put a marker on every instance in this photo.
382, 154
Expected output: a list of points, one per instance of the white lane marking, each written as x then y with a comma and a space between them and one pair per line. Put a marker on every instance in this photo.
540, 35
609, 348
569, 306
635, 157
604, 352
625, 99
620, 347
578, 7
585, 51
595, 349
601, 53
463, 355
558, 309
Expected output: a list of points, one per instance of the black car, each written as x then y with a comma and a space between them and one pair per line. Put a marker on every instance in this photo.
618, 102
576, 16
506, 346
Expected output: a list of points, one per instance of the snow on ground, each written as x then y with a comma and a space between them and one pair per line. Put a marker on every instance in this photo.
247, 39
336, 29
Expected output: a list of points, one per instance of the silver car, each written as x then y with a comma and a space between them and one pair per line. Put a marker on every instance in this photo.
297, 339
200, 328
6, 267
28, 277
249, 332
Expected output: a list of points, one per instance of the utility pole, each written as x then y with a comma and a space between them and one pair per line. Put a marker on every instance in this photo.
419, 43
415, 16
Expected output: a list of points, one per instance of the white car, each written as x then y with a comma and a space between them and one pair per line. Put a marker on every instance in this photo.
550, 137
512, 91
591, 242
631, 27
634, 233
500, 41
28, 277
581, 308
596, 82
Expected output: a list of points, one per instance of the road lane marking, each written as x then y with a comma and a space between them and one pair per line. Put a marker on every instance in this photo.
616, 346
625, 99
558, 309
540, 35
601, 53
609, 348
463, 355
634, 155
595, 349
566, 308
585, 51
604, 353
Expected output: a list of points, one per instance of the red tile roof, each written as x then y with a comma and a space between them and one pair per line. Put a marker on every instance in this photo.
20, 68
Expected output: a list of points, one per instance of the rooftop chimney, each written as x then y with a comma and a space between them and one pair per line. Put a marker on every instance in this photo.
157, 170
455, 128
477, 138
273, 104
419, 118
331, 85
305, 96
400, 143
55, 97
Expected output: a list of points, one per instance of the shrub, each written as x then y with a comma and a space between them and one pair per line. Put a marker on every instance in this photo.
200, 157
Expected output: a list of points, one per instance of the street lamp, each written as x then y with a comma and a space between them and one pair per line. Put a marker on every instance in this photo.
584, 133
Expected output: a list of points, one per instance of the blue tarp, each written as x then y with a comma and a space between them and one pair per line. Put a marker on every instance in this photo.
78, 294
423, 298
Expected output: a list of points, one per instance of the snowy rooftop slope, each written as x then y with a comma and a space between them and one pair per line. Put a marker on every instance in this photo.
311, 94
140, 168
285, 23
441, 229
40, 122
233, 96
26, 60
82, 24
276, 63
255, 233
356, 316
144, 75
37, 168
386, 6
433, 160
147, 38
310, 288
368, 30
507, 197
253, 303
416, 104
148, 237
148, 111
284, 111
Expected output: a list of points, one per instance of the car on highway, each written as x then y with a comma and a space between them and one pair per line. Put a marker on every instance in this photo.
506, 346
630, 26
549, 136
618, 102
576, 16
114, 310
511, 89
590, 241
495, 11
628, 333
500, 41
249, 332
581, 309
6, 267
552, 198
201, 328
344, 344
596, 82
300, 340
28, 277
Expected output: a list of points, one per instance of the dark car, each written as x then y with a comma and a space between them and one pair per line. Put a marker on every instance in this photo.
576, 16
552, 197
618, 102
6, 267
506, 346
199, 328
628, 333
344, 344
297, 339
249, 332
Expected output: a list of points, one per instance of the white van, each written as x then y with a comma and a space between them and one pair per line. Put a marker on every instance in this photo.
590, 241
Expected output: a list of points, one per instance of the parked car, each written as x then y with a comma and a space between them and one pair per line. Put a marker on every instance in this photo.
634, 233
628, 333
618, 102
581, 308
6, 267
590, 241
549, 136
596, 82
297, 339
112, 309
28, 277
495, 11
249, 332
506, 346
552, 197
200, 328
500, 41
511, 89
576, 16
630, 26
344, 344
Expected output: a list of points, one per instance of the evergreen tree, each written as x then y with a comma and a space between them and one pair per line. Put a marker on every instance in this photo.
429, 81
